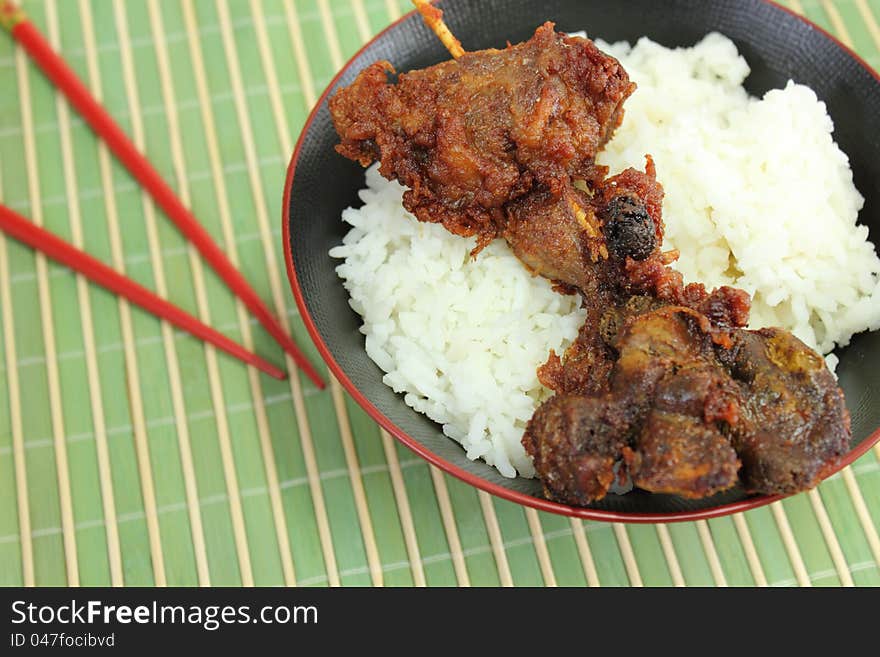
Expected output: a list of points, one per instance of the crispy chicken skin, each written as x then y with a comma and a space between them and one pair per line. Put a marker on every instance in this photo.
670, 403
692, 417
663, 379
468, 136
678, 399
793, 424
699, 403
574, 442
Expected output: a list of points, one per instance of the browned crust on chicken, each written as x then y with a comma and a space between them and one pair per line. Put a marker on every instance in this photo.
469, 135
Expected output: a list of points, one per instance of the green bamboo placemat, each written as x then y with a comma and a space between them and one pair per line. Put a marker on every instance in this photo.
130, 454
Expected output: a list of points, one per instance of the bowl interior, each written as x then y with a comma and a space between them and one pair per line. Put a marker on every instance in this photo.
777, 45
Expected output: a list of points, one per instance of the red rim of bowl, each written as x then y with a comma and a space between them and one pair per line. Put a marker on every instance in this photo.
495, 489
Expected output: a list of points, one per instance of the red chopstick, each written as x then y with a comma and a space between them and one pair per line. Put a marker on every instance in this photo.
29, 233
15, 20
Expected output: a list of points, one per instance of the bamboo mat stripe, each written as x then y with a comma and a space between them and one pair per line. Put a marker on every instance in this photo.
222, 201
335, 389
87, 321
12, 386
241, 108
116, 249
131, 454
46, 311
217, 396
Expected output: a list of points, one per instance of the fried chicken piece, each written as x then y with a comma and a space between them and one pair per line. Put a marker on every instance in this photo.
606, 245
667, 404
679, 399
469, 135
704, 403
574, 442
605, 242
697, 402
691, 417
794, 425
681, 455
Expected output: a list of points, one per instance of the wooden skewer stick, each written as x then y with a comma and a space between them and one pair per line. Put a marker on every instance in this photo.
10, 15
433, 18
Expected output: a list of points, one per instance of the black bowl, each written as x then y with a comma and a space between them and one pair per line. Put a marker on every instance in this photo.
778, 46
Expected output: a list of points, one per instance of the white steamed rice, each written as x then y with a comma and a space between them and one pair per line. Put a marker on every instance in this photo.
758, 196
461, 338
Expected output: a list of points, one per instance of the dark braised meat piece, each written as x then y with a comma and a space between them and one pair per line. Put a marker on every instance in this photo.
666, 410
793, 425
682, 455
680, 402
691, 417
663, 372
574, 442
701, 402
565, 240
662, 380
468, 136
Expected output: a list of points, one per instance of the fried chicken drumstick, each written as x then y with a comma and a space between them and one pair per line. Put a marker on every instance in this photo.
663, 379
470, 135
